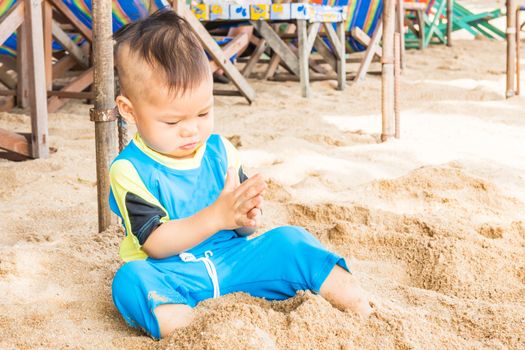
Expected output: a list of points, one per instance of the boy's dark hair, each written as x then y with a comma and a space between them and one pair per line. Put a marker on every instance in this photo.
166, 42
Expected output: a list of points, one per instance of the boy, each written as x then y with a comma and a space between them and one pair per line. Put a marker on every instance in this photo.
186, 204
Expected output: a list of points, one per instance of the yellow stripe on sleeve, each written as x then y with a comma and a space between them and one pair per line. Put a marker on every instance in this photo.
233, 154
124, 178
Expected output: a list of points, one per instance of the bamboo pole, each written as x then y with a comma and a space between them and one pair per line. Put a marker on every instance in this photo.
400, 25
387, 76
511, 47
397, 74
105, 138
450, 21
518, 48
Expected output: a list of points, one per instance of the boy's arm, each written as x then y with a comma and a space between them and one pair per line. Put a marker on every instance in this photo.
151, 231
229, 212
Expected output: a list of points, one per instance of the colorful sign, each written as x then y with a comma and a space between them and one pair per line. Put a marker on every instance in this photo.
259, 12
239, 12
280, 11
201, 11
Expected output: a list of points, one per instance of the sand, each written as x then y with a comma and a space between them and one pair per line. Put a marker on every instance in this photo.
433, 225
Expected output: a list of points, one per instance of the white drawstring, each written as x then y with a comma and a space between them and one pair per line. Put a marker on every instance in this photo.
210, 268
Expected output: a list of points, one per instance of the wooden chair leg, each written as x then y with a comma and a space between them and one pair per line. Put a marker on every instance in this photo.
22, 95
421, 23
370, 52
256, 55
341, 64
272, 66
303, 58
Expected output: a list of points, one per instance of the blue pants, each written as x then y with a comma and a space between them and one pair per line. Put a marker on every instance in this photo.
274, 266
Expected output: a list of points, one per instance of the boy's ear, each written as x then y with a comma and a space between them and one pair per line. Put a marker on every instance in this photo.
125, 109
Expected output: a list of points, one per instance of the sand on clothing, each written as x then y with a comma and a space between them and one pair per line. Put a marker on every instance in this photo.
433, 224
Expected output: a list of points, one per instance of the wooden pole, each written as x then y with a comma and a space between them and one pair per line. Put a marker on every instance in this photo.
37, 78
518, 48
48, 43
450, 21
304, 77
105, 125
397, 75
387, 76
22, 79
400, 25
511, 47
341, 64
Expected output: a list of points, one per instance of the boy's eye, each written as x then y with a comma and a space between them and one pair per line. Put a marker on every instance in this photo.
202, 115
172, 123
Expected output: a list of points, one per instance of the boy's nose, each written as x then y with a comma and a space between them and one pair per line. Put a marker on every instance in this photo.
189, 129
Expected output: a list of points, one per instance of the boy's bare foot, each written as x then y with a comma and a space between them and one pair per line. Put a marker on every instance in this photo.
343, 291
173, 316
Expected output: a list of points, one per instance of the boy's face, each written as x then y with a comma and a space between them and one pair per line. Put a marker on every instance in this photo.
172, 125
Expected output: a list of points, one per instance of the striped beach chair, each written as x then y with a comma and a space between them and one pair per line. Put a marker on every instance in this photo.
124, 11
362, 14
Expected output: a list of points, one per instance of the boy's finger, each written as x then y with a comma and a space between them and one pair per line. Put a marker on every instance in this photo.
247, 205
254, 214
256, 179
250, 188
243, 220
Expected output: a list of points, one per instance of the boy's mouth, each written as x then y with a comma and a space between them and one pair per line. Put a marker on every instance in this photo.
189, 146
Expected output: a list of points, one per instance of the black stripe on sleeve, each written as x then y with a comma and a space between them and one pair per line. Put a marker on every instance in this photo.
144, 217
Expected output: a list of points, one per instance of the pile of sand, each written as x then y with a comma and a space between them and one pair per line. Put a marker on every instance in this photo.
441, 277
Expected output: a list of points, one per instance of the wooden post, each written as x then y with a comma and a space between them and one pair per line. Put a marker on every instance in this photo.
450, 21
303, 58
518, 48
105, 125
37, 79
341, 64
48, 43
22, 82
511, 47
401, 29
420, 14
397, 76
387, 83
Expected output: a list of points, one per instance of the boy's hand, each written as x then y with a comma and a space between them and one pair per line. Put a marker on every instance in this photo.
239, 204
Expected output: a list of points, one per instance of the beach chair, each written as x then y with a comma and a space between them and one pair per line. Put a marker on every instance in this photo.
363, 29
427, 22
431, 22
361, 16
476, 23
69, 22
416, 12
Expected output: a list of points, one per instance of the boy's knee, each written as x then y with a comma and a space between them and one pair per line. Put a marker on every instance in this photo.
125, 277
292, 235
